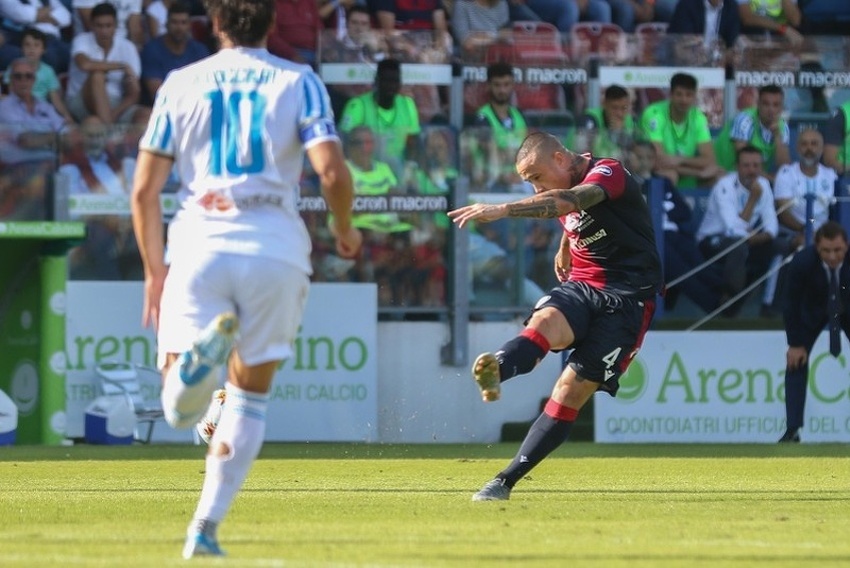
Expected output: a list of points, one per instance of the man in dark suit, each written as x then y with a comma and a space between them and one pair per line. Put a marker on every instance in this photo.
807, 312
722, 18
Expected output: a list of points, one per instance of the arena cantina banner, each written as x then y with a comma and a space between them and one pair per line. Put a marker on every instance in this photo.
722, 387
326, 392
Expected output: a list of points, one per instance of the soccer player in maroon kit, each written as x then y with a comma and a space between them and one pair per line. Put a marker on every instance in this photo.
610, 275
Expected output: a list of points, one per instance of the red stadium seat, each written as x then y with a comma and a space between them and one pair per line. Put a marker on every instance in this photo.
201, 28
649, 37
593, 40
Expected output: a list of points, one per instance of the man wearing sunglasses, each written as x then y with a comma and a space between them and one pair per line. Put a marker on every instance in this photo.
29, 132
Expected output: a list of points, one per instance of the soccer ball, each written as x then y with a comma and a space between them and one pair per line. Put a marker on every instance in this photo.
207, 425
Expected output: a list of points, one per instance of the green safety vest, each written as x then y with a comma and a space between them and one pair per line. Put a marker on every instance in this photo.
377, 181
724, 147
391, 127
603, 145
505, 138
769, 8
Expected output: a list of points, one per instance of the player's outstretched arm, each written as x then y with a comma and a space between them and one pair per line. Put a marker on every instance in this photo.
338, 189
545, 205
152, 172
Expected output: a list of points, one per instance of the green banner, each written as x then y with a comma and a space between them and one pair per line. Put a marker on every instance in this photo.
20, 333
52, 356
32, 324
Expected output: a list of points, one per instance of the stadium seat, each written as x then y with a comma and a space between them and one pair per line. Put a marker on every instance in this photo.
649, 36
201, 28
593, 40
122, 380
534, 41
535, 45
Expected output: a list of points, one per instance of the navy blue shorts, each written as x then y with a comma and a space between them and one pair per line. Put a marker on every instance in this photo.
608, 328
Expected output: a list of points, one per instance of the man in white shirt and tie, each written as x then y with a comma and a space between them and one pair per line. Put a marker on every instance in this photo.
740, 215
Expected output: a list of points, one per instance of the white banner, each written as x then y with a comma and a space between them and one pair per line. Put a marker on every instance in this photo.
659, 77
364, 73
722, 387
326, 392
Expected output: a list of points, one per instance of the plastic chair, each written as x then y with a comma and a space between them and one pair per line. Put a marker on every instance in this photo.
122, 380
534, 41
595, 40
650, 36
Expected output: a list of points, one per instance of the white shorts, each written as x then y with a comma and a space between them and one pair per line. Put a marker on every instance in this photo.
268, 296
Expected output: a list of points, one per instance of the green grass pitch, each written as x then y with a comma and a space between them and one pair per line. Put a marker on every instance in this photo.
340, 505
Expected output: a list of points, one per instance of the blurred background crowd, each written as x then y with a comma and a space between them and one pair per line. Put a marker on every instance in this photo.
724, 106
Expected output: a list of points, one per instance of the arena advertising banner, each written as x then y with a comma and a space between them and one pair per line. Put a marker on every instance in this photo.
326, 392
722, 387
659, 77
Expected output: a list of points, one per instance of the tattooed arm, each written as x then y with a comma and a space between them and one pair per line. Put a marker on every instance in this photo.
549, 204
557, 202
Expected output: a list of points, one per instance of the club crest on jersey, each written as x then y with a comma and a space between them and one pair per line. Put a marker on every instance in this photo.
604, 170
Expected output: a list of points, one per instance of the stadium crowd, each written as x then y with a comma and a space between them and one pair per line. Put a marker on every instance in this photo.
80, 78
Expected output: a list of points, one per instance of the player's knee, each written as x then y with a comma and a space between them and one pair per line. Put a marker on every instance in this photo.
219, 450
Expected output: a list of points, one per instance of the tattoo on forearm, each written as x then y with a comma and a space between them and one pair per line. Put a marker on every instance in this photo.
539, 208
587, 195
557, 202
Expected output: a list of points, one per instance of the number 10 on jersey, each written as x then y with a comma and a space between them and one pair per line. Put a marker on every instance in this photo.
241, 152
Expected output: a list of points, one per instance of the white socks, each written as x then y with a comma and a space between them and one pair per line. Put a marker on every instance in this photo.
242, 428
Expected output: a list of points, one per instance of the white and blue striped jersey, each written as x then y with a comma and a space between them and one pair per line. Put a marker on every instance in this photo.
237, 124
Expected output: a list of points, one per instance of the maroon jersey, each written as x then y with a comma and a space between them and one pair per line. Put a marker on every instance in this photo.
612, 244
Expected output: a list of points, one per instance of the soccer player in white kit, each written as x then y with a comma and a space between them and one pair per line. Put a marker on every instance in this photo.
236, 126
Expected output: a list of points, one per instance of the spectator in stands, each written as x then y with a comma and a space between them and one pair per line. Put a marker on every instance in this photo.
506, 123
359, 44
679, 130
128, 19
334, 15
32, 125
175, 48
31, 129
477, 24
295, 35
109, 251
628, 13
386, 238
47, 86
717, 21
793, 183
681, 254
391, 116
608, 131
761, 126
371, 177
771, 17
104, 76
803, 177
740, 216
438, 172
437, 175
836, 151
413, 16
47, 16
564, 15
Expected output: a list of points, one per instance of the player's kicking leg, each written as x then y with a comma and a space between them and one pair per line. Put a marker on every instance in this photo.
193, 376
